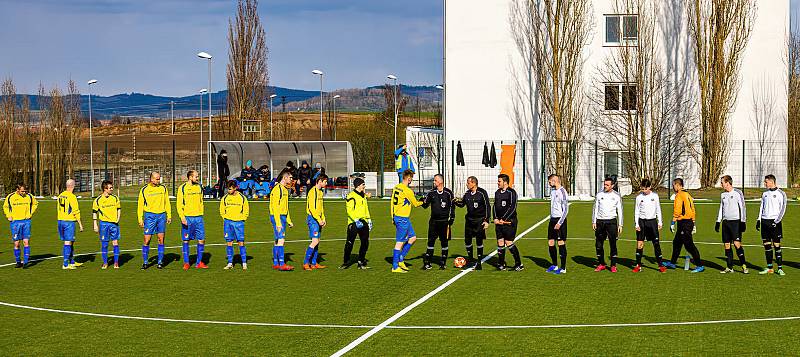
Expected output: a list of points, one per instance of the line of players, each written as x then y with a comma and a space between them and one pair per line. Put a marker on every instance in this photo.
154, 213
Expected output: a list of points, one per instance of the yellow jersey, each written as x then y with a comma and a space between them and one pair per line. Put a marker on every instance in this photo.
106, 208
683, 207
279, 203
153, 199
68, 209
189, 201
356, 204
234, 207
403, 199
18, 207
314, 206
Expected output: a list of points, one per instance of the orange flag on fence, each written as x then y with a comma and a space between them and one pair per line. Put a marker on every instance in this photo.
508, 153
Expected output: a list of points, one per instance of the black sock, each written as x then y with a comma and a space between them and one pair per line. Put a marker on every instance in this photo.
515, 252
428, 255
779, 257
362, 251
768, 254
480, 249
468, 246
445, 250
501, 255
740, 253
657, 251
601, 255
553, 255
729, 257
562, 251
639, 252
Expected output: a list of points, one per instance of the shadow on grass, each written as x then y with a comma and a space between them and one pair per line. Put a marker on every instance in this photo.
125, 258
542, 262
36, 259
590, 262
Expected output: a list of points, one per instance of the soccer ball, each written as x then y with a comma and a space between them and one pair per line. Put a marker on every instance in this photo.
460, 262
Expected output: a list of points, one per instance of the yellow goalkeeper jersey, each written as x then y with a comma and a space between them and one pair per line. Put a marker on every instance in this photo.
403, 200
19, 207
356, 207
189, 200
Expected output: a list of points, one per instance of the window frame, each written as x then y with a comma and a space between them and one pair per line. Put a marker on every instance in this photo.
623, 40
621, 89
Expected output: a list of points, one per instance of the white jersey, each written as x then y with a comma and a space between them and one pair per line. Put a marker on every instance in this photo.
647, 207
559, 205
731, 206
773, 205
607, 205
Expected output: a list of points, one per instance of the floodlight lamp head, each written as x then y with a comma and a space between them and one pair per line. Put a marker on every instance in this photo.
317, 72
392, 77
205, 55
92, 81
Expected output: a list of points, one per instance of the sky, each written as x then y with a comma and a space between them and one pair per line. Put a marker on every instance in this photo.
150, 46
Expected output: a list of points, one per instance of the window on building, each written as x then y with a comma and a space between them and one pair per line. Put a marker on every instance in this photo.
620, 96
425, 157
622, 30
614, 164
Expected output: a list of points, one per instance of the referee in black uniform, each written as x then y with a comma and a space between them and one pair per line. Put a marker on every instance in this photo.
443, 214
505, 220
476, 221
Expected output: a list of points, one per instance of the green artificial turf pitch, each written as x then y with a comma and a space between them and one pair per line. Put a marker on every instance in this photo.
367, 298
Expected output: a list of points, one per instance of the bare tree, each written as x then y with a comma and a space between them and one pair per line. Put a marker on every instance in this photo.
719, 31
550, 35
792, 58
389, 96
763, 122
247, 68
639, 109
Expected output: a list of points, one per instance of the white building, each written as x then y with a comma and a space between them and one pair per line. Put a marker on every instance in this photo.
487, 84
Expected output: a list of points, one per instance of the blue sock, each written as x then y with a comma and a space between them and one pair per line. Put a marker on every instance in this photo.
72, 254
200, 248
104, 252
395, 258
116, 254
186, 252
309, 254
26, 254
229, 250
160, 253
315, 255
275, 255
281, 261
243, 254
16, 254
65, 252
145, 253
404, 252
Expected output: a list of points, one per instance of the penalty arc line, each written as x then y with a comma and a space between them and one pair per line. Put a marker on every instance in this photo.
423, 299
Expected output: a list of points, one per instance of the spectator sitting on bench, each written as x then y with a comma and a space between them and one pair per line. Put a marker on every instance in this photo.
303, 177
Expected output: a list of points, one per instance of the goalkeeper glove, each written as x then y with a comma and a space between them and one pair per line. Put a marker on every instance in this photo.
369, 223
742, 226
758, 225
359, 224
716, 227
672, 227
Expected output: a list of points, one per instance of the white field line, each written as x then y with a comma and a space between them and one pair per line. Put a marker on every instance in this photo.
423, 299
643, 324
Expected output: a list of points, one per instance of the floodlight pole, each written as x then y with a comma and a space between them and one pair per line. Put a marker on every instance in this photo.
394, 78
335, 123
271, 97
91, 146
210, 58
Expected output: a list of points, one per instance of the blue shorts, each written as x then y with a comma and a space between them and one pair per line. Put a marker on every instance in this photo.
314, 230
66, 231
403, 228
21, 229
154, 223
194, 228
109, 231
278, 234
234, 230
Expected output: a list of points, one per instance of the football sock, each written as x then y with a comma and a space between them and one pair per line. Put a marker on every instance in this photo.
480, 249
468, 246
501, 255
639, 252
315, 255
309, 253
65, 252
145, 253
729, 257
26, 254
562, 252
740, 254
768, 254
779, 257
243, 254
200, 249
553, 255
275, 255
160, 253
428, 254
281, 257
515, 252
229, 253
348, 249
362, 250
405, 250
395, 258
657, 251
599, 252
16, 254
445, 251
104, 252
186, 252
116, 254
613, 244
72, 254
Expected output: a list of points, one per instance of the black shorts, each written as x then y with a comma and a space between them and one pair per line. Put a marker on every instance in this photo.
770, 233
606, 228
648, 230
438, 230
731, 231
474, 229
557, 234
506, 231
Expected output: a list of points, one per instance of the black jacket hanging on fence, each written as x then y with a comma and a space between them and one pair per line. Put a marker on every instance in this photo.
459, 155
485, 160
492, 157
